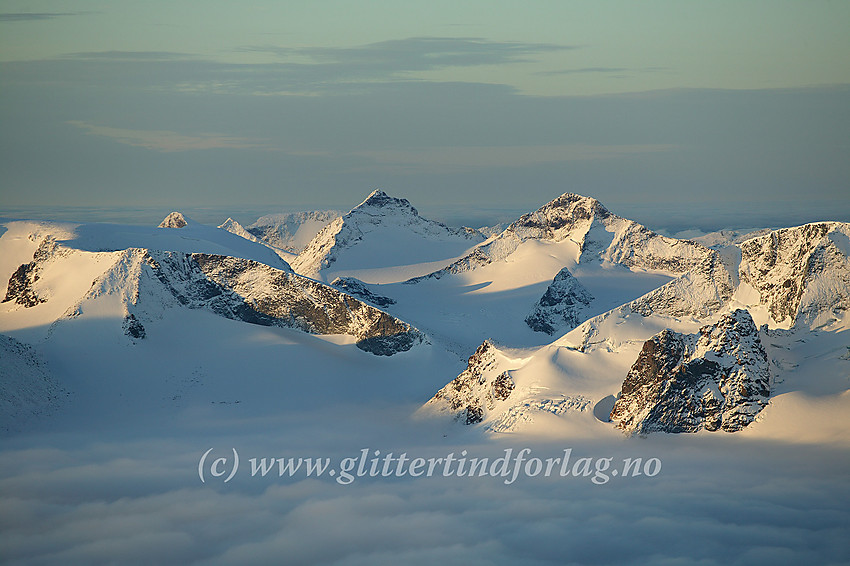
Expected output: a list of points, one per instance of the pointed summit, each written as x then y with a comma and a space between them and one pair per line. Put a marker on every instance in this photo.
234, 227
380, 202
556, 219
381, 232
589, 231
230, 223
174, 220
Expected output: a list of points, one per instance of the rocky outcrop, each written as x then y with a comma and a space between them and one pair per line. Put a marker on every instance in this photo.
357, 288
133, 328
252, 292
803, 270
600, 235
718, 379
147, 282
21, 283
475, 392
174, 220
560, 307
21, 288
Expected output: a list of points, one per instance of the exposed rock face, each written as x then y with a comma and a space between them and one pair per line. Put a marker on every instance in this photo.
803, 270
354, 286
717, 379
21, 282
253, 292
601, 236
174, 220
133, 328
476, 391
379, 209
560, 307
148, 281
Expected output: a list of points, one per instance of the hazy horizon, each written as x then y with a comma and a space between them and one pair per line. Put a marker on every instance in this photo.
657, 106
669, 218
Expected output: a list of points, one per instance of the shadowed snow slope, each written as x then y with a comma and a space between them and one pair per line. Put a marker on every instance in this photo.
136, 285
381, 240
291, 231
147, 328
796, 275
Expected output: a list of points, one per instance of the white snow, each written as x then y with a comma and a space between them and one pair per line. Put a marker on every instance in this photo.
382, 232
292, 231
118, 462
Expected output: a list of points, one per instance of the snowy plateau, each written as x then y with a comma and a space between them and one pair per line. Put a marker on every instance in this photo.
126, 351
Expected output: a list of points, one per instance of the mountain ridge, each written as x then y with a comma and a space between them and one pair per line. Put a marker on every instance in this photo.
366, 221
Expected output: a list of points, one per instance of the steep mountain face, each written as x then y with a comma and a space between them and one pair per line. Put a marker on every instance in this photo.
802, 274
474, 392
600, 235
27, 389
495, 391
174, 220
148, 281
717, 379
252, 292
291, 231
381, 220
560, 307
21, 287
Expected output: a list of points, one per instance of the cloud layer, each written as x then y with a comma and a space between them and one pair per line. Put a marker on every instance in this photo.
168, 141
716, 501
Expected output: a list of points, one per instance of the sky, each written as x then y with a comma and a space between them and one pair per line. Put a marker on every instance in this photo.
730, 111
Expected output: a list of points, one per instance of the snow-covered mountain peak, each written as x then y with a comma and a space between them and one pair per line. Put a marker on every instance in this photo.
557, 218
381, 232
234, 227
590, 234
231, 225
174, 220
379, 202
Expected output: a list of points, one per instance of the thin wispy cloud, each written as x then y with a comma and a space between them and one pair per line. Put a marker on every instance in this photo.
415, 53
298, 71
167, 141
602, 70
35, 16
128, 55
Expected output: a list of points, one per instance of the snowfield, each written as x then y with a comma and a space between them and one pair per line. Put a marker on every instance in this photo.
127, 353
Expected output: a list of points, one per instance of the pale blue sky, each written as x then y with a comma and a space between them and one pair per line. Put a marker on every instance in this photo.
503, 104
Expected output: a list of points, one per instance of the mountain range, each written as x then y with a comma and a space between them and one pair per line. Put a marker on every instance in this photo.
569, 321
